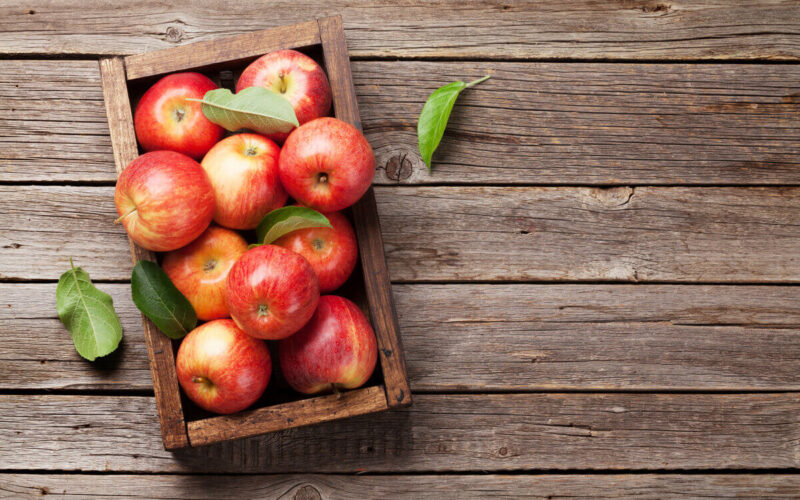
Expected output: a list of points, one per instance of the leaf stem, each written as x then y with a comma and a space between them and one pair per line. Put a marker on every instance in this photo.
475, 82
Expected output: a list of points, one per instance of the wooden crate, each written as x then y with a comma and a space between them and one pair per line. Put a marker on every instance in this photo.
182, 423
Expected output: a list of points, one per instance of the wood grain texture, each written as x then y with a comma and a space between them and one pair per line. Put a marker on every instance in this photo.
367, 226
224, 50
486, 432
301, 487
532, 123
287, 416
489, 337
159, 347
674, 234
629, 29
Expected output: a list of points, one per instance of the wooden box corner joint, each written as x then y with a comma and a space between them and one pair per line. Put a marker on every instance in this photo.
178, 432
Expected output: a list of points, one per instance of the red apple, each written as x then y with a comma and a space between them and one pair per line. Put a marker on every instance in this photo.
164, 200
166, 120
331, 252
271, 292
243, 169
221, 368
326, 164
200, 270
296, 77
337, 348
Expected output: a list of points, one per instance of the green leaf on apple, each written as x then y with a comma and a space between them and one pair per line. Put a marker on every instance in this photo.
255, 108
159, 299
284, 220
88, 314
435, 114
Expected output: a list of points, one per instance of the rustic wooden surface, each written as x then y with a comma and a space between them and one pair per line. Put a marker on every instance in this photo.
596, 286
159, 347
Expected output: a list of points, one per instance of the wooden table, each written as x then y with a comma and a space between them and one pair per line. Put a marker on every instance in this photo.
596, 286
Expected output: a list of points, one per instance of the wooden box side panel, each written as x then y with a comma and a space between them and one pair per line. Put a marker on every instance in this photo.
227, 50
286, 416
367, 224
159, 347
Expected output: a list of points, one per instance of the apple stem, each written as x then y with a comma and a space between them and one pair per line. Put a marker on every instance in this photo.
479, 80
119, 219
336, 391
198, 380
283, 82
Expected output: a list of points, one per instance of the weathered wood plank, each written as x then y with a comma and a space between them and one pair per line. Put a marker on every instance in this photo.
159, 347
674, 234
284, 486
531, 123
489, 337
640, 29
488, 432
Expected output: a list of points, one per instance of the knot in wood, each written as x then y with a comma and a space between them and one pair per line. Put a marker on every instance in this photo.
399, 168
656, 8
307, 492
174, 34
609, 198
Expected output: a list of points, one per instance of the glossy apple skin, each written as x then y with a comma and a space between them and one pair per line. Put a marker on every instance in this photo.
326, 164
271, 292
222, 369
243, 169
200, 270
164, 119
164, 200
331, 252
337, 347
296, 77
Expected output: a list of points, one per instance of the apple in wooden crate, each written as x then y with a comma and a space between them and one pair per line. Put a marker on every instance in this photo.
164, 200
243, 170
326, 164
332, 252
166, 120
221, 368
335, 350
200, 269
271, 292
296, 77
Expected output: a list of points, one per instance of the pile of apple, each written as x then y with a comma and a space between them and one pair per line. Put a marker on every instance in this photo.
167, 202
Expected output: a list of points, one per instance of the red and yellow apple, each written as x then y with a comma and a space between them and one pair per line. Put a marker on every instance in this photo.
326, 164
243, 170
296, 77
222, 369
335, 350
271, 292
200, 270
332, 252
165, 119
164, 200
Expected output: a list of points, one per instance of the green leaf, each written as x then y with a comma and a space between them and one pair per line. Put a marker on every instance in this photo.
434, 116
158, 299
88, 314
284, 220
256, 108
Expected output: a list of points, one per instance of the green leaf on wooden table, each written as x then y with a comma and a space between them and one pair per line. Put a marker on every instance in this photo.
434, 116
284, 220
256, 108
88, 314
158, 299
